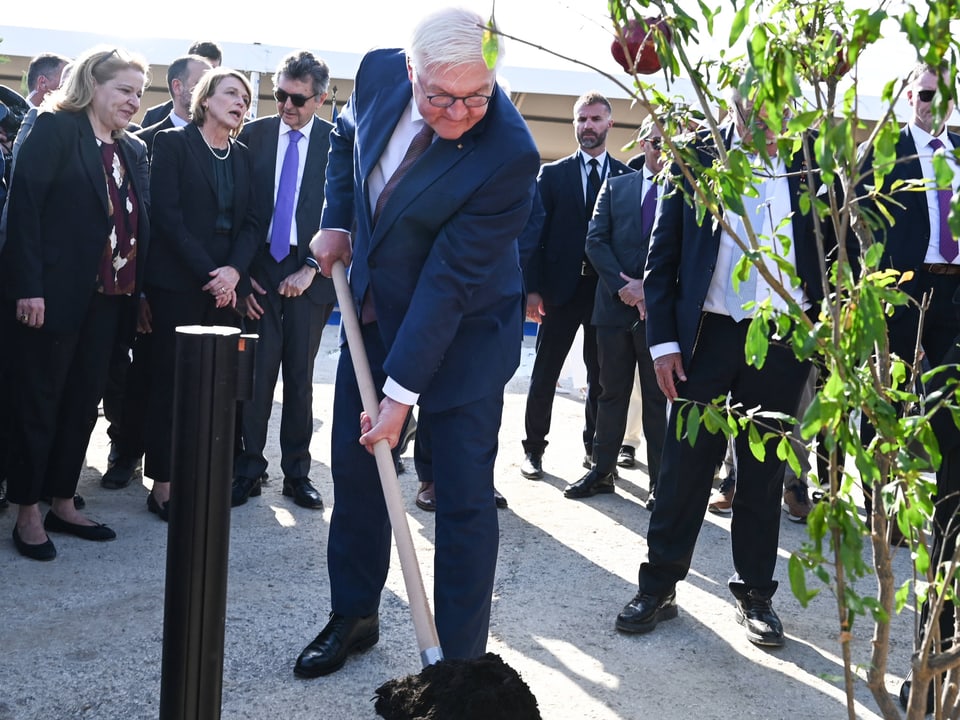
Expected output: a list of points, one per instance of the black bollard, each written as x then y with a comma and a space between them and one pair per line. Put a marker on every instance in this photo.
213, 371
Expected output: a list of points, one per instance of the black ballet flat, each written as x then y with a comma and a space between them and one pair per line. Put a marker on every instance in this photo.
43, 551
162, 511
99, 533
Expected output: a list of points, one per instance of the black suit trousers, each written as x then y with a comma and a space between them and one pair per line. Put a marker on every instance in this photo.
554, 340
290, 331
58, 382
127, 393
620, 351
686, 473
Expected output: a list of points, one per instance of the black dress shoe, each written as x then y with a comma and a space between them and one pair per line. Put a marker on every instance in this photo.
426, 497
303, 493
642, 614
3, 494
244, 488
499, 499
121, 473
755, 613
162, 511
627, 457
43, 551
54, 523
341, 636
593, 483
532, 466
904, 694
651, 502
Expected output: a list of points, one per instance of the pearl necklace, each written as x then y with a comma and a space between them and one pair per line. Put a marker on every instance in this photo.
214, 152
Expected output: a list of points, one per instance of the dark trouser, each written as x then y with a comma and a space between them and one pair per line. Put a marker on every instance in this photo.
8, 361
290, 331
58, 382
554, 340
462, 445
127, 395
171, 309
619, 352
686, 473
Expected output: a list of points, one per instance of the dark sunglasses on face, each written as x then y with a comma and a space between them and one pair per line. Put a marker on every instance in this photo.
926, 95
655, 143
297, 99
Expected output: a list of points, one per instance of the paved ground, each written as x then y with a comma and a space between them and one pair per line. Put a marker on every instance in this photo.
81, 637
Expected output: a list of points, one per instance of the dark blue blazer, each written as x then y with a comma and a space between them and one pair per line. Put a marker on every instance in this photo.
186, 248
442, 261
57, 216
556, 265
683, 255
615, 244
261, 137
907, 236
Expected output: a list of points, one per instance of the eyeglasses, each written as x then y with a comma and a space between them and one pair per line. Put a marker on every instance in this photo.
926, 95
655, 143
104, 58
297, 99
444, 100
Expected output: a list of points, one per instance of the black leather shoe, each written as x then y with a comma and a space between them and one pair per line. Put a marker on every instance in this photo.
499, 499
642, 614
426, 497
43, 551
341, 636
755, 613
244, 488
532, 466
303, 493
627, 457
162, 511
3, 494
593, 483
651, 502
121, 473
904, 694
54, 523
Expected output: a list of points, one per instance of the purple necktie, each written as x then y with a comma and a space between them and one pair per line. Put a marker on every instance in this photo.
647, 210
948, 246
286, 192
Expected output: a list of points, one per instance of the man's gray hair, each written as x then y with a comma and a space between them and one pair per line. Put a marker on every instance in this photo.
448, 37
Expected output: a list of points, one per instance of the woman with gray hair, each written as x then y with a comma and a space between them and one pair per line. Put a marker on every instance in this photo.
73, 263
206, 234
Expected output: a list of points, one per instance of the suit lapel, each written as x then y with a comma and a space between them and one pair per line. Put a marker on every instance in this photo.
201, 154
372, 138
91, 159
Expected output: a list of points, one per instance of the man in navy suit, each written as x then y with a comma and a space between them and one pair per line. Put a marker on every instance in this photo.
696, 331
617, 244
210, 52
561, 281
434, 169
291, 302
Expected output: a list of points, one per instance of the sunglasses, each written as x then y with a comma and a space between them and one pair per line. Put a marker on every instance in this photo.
297, 99
926, 95
655, 143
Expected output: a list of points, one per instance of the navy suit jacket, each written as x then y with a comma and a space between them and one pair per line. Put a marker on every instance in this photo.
907, 237
261, 137
442, 261
157, 113
554, 269
186, 248
149, 134
57, 216
683, 255
615, 244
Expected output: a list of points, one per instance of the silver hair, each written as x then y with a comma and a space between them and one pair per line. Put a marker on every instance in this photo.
448, 37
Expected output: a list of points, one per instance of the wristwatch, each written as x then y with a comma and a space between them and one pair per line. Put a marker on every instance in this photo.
311, 261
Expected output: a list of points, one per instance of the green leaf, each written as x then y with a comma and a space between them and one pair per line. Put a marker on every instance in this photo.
693, 424
491, 44
739, 23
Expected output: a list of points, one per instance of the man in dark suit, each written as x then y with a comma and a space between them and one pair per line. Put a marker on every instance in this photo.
291, 302
43, 76
617, 248
442, 167
210, 52
561, 282
696, 331
125, 398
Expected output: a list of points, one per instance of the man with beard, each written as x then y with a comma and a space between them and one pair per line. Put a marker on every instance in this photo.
561, 282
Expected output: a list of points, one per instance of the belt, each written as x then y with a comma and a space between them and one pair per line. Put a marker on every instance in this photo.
941, 268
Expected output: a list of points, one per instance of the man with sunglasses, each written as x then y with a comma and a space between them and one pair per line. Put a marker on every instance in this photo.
290, 302
430, 182
917, 239
617, 243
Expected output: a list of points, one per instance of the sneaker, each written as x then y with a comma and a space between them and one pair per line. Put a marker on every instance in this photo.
763, 627
797, 503
627, 457
721, 499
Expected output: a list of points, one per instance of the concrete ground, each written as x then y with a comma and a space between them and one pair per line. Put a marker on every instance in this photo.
81, 637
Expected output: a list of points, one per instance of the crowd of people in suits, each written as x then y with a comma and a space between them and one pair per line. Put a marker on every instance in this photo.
427, 187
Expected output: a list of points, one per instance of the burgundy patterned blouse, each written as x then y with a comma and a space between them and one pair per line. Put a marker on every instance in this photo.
118, 266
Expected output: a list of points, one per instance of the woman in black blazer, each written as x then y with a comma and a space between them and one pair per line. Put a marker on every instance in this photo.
205, 235
77, 239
